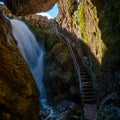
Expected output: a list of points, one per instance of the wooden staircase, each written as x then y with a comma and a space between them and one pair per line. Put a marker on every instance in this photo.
87, 91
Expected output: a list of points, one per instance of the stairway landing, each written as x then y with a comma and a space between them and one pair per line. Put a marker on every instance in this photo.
90, 111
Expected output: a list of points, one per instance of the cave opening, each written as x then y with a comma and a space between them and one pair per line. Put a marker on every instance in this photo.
52, 13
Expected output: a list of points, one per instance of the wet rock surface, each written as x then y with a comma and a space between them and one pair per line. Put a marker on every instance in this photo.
110, 107
62, 111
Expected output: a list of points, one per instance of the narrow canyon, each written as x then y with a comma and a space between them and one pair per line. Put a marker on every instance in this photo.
61, 68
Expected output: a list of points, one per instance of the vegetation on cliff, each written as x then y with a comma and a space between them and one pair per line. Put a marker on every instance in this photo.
81, 20
97, 24
59, 73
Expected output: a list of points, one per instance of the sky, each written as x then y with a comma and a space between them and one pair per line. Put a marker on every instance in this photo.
54, 11
51, 13
1, 3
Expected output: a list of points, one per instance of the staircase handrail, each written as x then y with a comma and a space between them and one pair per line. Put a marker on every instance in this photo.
67, 42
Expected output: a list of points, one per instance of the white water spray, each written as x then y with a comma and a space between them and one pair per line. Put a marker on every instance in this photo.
32, 52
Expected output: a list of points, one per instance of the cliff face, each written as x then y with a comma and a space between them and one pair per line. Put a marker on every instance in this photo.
96, 25
18, 93
23, 7
64, 18
95, 31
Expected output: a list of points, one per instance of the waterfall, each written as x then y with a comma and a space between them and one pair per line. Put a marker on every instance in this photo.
32, 52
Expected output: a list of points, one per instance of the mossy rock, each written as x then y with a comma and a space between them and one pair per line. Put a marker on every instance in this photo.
72, 6
109, 112
81, 18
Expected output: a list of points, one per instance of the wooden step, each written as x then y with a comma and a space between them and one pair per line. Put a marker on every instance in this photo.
82, 67
85, 80
79, 60
82, 70
84, 73
87, 89
85, 76
88, 101
88, 96
88, 93
87, 83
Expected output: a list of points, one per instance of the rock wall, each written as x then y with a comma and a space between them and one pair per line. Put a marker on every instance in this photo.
18, 93
22, 7
63, 18
96, 25
39, 21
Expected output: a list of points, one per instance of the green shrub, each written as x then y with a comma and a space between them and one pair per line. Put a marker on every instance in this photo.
82, 22
58, 46
51, 41
64, 57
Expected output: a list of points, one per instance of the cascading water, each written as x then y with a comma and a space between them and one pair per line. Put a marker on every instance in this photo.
32, 52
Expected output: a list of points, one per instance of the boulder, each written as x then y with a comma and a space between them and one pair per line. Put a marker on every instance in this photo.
23, 7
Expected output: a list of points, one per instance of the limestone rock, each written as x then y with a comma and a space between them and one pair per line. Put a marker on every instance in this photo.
22, 7
40, 21
18, 93
64, 18
63, 111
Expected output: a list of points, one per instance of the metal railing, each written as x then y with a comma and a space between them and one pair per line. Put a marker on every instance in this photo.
67, 42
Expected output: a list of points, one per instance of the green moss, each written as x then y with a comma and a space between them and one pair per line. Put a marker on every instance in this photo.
82, 22
72, 6
57, 46
64, 57
51, 41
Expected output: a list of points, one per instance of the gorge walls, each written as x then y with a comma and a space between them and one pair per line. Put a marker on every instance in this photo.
96, 25
92, 23
18, 93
